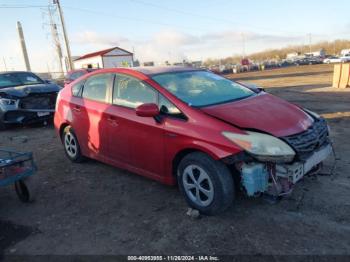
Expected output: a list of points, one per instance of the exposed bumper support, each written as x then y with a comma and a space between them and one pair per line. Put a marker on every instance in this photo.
278, 179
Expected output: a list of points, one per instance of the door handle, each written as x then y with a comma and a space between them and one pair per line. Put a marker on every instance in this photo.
171, 135
112, 121
77, 109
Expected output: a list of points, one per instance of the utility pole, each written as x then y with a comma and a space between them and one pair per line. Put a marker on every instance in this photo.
66, 41
3, 59
310, 43
56, 39
23, 45
243, 44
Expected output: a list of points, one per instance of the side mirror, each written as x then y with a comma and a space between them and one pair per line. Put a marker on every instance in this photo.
147, 110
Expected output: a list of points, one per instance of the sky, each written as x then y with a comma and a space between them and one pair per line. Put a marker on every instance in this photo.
168, 30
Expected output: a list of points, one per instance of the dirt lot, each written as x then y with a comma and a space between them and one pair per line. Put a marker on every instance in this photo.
92, 208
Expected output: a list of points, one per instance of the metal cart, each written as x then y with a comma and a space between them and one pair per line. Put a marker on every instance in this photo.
17, 168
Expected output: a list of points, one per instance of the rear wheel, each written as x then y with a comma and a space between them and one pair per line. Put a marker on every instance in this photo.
206, 184
71, 145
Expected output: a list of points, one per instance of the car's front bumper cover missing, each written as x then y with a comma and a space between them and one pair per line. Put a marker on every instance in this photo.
278, 179
30, 109
296, 171
27, 116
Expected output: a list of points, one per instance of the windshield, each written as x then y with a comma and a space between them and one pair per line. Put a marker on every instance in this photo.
18, 79
202, 88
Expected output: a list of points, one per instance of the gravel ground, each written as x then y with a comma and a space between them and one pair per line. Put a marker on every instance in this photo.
92, 208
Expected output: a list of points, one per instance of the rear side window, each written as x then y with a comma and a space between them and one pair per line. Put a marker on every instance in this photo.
77, 88
131, 92
96, 87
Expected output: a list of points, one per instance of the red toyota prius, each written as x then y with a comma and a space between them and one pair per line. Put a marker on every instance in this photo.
193, 128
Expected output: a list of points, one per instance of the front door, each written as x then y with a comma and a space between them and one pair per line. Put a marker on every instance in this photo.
135, 141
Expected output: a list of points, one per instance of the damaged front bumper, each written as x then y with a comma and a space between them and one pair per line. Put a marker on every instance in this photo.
27, 116
279, 179
31, 109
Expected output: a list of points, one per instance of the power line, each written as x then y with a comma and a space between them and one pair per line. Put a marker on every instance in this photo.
22, 6
100, 13
113, 15
180, 11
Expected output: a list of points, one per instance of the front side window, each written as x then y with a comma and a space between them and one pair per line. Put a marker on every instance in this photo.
131, 92
168, 108
202, 88
96, 87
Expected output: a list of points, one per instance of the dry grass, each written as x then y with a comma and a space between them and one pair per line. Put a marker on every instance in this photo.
289, 76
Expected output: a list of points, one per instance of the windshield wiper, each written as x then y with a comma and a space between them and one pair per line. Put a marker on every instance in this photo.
226, 101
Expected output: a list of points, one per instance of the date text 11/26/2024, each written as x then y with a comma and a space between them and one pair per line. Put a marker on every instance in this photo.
173, 258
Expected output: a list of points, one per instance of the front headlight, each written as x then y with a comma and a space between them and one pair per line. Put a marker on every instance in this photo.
317, 117
263, 147
311, 113
8, 102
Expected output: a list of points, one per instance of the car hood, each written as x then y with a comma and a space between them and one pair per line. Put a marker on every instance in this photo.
25, 90
263, 112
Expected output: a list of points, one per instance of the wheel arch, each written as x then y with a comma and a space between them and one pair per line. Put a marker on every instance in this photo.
61, 129
185, 151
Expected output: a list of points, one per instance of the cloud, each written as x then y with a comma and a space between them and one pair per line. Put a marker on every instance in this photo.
248, 36
93, 38
165, 45
174, 38
173, 45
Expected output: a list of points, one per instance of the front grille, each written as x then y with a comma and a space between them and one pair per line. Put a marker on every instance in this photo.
307, 142
39, 101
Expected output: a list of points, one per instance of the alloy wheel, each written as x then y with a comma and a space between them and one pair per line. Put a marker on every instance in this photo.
70, 144
198, 185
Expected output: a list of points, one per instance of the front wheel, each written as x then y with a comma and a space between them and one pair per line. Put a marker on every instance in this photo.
206, 184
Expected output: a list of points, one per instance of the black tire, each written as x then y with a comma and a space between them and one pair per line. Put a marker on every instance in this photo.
24, 193
74, 156
221, 181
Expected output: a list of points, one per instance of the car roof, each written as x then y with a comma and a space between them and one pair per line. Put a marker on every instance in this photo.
15, 72
155, 70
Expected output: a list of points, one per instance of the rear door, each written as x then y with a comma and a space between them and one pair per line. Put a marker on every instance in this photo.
77, 115
95, 94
